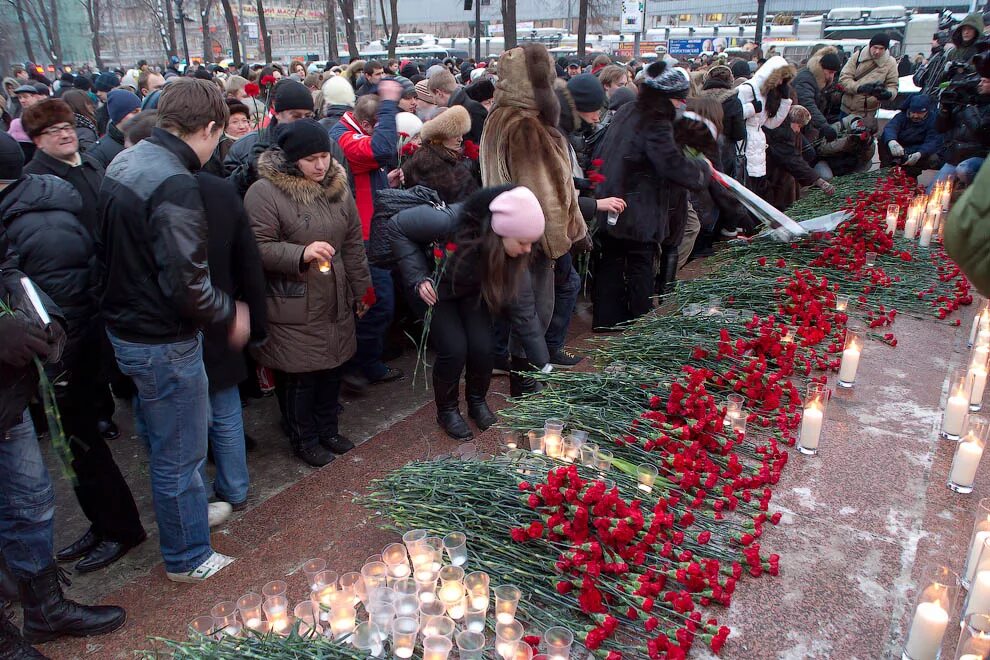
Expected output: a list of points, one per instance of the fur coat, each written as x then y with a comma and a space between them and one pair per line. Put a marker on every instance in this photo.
521, 144
441, 169
756, 92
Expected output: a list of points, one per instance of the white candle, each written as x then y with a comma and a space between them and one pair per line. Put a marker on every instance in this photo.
552, 444
479, 602
891, 223
811, 426
403, 652
505, 618
965, 462
850, 363
927, 628
974, 553
979, 595
979, 375
926, 235
910, 227
955, 414
975, 328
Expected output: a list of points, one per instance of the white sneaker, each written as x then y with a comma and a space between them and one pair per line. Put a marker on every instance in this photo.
213, 565
219, 513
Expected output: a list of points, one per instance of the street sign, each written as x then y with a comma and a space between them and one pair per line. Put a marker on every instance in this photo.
686, 46
632, 16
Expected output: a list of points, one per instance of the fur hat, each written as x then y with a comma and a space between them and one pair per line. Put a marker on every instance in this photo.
720, 72
481, 90
45, 114
408, 123
669, 81
453, 122
799, 115
337, 91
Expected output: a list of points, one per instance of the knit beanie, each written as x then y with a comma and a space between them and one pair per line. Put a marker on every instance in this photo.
721, 73
830, 62
880, 39
121, 103
517, 213
799, 115
337, 91
672, 82
106, 81
587, 92
739, 69
423, 92
407, 123
292, 95
11, 158
481, 90
409, 70
45, 114
303, 138
452, 122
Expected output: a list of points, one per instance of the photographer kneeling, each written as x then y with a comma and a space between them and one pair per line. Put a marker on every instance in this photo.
910, 139
964, 118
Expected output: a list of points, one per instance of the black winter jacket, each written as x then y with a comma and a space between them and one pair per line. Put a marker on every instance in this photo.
476, 111
152, 245
967, 130
235, 269
733, 121
86, 179
645, 167
414, 230
809, 94
108, 147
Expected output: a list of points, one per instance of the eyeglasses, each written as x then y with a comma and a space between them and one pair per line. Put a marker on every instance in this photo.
55, 130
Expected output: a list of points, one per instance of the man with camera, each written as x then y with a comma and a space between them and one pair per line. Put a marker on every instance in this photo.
867, 79
910, 139
964, 119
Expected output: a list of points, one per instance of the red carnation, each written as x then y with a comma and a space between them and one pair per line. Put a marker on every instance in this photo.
535, 530
267, 80
564, 587
252, 89
519, 535
471, 150
437, 253
451, 247
369, 297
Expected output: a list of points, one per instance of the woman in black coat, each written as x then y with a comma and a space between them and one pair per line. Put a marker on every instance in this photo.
718, 86
439, 163
485, 246
645, 167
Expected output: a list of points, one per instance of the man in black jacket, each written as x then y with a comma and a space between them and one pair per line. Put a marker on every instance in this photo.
27, 499
121, 106
157, 295
809, 85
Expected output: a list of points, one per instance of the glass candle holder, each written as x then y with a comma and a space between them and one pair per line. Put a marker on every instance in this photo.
353, 584
589, 451
202, 626
311, 568
324, 265
437, 626
455, 544
841, 302
978, 321
382, 617
554, 426
927, 229
225, 618
893, 215
980, 534
978, 597
977, 375
375, 576
931, 615
521, 650
277, 614
738, 422
455, 603
342, 621
557, 642
475, 618
413, 538
308, 617
603, 460
812, 419
974, 639
426, 584
851, 351
535, 439
870, 259
273, 589
404, 632
911, 222
436, 648
506, 602
957, 406
478, 586
646, 475
380, 596
969, 451
367, 639
249, 605
553, 445
324, 583
506, 636
470, 645
428, 609
509, 440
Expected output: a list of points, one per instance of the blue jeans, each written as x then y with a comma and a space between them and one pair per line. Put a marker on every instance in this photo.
372, 327
27, 502
229, 453
173, 418
964, 172
567, 287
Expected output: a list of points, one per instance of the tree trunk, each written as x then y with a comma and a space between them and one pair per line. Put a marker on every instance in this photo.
54, 33
173, 49
582, 30
333, 53
381, 5
393, 37
205, 6
235, 46
19, 6
347, 11
508, 23
93, 9
263, 35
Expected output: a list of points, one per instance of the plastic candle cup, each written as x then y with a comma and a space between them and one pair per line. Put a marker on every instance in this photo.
506, 602
273, 588
436, 648
202, 626
470, 645
249, 605
475, 618
646, 475
277, 614
477, 585
506, 636
841, 303
455, 544
437, 626
816, 401
225, 618
404, 631
311, 568
308, 617
342, 621
557, 641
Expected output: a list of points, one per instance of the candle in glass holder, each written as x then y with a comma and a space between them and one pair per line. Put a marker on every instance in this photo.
535, 442
553, 445
646, 475
277, 613
470, 645
974, 639
812, 419
926, 234
870, 259
978, 599
225, 618
404, 630
957, 406
977, 541
475, 618
395, 559
437, 626
911, 225
202, 626
850, 358
455, 544
980, 321
558, 641
324, 265
967, 457
506, 636
841, 303
249, 606
342, 621
451, 582
978, 377
506, 602
455, 603
436, 648
931, 615
893, 213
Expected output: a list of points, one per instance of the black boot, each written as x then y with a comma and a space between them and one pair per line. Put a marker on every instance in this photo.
476, 390
520, 382
667, 275
49, 614
12, 645
8, 587
448, 415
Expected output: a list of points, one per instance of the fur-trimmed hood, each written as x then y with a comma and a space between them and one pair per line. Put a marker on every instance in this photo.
273, 166
815, 65
718, 92
772, 73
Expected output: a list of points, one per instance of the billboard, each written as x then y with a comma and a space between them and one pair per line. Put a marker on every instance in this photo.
631, 19
688, 46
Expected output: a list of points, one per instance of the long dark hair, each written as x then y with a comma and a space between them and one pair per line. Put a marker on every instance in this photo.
80, 103
500, 273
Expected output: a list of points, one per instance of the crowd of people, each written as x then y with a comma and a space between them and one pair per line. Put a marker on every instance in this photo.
205, 236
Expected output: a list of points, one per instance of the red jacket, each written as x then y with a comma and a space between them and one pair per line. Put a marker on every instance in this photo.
369, 156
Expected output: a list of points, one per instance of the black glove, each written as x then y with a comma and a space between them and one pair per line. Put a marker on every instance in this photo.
867, 89
757, 106
829, 133
884, 95
21, 341
784, 89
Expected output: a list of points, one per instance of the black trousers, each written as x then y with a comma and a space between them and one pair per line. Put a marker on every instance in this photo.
308, 402
103, 494
462, 334
624, 282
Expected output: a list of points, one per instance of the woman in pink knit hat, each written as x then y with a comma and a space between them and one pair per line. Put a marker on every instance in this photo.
486, 243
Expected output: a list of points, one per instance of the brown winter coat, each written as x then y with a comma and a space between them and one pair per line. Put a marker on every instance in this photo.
443, 170
861, 69
521, 144
311, 314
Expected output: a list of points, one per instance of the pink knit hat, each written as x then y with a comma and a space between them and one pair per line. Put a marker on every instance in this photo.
516, 213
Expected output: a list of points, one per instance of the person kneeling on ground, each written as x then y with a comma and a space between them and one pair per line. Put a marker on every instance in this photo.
791, 159
910, 138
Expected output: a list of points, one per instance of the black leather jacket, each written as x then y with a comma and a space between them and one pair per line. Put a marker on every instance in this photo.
156, 285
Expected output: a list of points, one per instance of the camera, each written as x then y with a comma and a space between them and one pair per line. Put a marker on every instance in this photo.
961, 91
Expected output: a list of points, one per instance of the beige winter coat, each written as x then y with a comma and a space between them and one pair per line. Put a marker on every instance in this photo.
310, 314
861, 69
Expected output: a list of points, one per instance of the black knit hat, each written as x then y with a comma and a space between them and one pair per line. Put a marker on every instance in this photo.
292, 95
830, 62
669, 81
880, 39
106, 81
480, 90
303, 138
740, 69
587, 92
11, 158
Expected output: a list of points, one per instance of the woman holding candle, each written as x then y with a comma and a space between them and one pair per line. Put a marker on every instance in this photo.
485, 273
309, 235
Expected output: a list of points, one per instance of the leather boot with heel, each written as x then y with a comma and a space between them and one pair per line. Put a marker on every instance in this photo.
520, 380
476, 390
49, 614
447, 396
